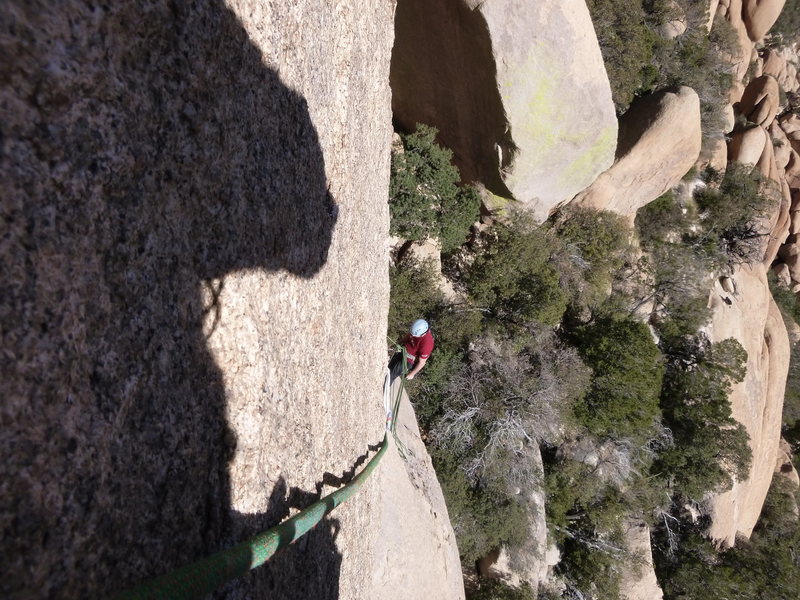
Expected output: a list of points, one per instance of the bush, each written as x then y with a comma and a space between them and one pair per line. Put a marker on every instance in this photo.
732, 215
639, 61
627, 45
513, 276
424, 198
766, 566
710, 446
483, 517
495, 589
414, 292
514, 392
597, 243
627, 371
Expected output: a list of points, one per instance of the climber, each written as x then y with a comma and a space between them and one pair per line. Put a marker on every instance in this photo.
419, 345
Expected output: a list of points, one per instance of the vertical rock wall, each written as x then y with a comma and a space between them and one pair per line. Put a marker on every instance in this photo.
517, 89
194, 215
750, 315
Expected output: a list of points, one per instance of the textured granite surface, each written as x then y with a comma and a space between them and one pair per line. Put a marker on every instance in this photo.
193, 203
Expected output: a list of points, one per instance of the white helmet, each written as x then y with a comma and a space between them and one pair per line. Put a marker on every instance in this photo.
419, 327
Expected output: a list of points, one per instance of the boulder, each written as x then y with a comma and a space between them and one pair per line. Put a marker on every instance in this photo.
752, 317
638, 580
527, 562
792, 170
747, 145
782, 146
730, 118
742, 55
760, 15
415, 549
773, 63
518, 90
659, 142
718, 156
760, 100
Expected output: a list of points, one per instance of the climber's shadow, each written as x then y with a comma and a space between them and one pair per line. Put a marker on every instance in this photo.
177, 159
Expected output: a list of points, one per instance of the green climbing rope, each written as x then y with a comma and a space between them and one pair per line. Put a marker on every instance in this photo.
204, 576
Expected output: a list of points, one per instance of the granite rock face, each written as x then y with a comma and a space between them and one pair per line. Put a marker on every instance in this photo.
517, 89
750, 315
416, 555
191, 195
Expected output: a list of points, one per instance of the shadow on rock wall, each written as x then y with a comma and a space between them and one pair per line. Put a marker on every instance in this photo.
147, 151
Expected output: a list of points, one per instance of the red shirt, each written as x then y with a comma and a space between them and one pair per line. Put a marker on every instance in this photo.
419, 347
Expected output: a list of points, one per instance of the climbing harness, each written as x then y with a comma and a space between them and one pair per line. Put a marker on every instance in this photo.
202, 577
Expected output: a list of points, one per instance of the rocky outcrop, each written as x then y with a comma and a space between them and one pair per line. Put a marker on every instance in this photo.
750, 315
416, 548
659, 141
760, 15
193, 193
518, 90
639, 578
760, 100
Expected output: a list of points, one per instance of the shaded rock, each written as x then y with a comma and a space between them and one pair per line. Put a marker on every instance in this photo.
753, 318
415, 548
730, 118
193, 191
760, 100
760, 15
532, 116
659, 142
784, 464
639, 578
747, 145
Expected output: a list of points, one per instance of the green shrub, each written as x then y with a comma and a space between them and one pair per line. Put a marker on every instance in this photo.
639, 61
495, 589
598, 243
513, 276
659, 220
710, 446
414, 293
424, 196
731, 215
627, 43
627, 371
429, 393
